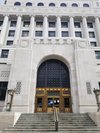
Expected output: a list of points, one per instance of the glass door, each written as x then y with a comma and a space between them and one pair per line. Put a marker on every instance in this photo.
52, 102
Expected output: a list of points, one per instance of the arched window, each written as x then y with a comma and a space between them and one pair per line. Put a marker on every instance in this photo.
63, 5
74, 5
28, 4
53, 73
52, 4
40, 4
17, 4
85, 5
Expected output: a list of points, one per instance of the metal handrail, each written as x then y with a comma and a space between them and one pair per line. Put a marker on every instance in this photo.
55, 118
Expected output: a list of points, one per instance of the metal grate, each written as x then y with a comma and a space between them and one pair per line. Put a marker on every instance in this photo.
53, 73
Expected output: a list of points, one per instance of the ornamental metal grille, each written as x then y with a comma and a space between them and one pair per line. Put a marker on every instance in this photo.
53, 73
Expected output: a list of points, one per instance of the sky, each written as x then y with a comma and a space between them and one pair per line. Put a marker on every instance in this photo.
1, 1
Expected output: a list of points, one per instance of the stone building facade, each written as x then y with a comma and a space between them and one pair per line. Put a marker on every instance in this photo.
50, 55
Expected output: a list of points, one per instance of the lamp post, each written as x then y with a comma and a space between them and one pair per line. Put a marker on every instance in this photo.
97, 95
9, 104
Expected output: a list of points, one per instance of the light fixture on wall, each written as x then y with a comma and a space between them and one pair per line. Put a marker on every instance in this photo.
97, 95
9, 104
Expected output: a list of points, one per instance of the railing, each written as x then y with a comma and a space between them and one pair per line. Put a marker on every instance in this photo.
55, 118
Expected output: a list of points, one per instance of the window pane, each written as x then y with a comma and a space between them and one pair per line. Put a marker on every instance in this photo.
64, 24
40, 4
1, 23
63, 5
94, 44
3, 88
77, 24
39, 102
26, 23
13, 24
65, 34
91, 35
85, 5
9, 43
25, 33
29, 4
4, 53
52, 4
97, 53
99, 84
39, 23
78, 34
51, 24
11, 33
38, 33
17, 3
90, 25
66, 102
51, 33
74, 5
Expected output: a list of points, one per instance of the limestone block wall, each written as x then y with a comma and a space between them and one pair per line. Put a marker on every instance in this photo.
87, 78
6, 120
95, 117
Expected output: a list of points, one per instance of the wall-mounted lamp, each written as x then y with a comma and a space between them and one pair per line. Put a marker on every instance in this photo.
97, 95
9, 104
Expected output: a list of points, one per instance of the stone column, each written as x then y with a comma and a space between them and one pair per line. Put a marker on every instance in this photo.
45, 27
4, 30
32, 23
58, 27
85, 31
18, 30
72, 31
97, 27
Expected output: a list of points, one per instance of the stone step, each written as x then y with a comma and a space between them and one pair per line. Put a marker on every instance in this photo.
68, 123
51, 131
68, 130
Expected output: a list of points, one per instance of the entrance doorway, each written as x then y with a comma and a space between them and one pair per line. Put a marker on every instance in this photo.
53, 87
48, 98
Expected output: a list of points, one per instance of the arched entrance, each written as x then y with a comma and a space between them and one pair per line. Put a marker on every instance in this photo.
53, 87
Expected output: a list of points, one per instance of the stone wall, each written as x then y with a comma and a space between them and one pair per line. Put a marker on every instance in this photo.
95, 117
6, 120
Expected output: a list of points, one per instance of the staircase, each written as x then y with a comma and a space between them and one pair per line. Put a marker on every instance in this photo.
44, 122
77, 122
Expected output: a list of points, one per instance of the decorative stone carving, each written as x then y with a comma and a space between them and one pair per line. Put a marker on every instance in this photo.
24, 43
4, 74
18, 87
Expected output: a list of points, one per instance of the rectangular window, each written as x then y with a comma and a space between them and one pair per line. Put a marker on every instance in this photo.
11, 33
97, 54
26, 23
66, 102
90, 25
51, 33
99, 84
91, 35
39, 24
78, 34
25, 33
38, 33
9, 43
94, 44
52, 24
65, 34
4, 53
13, 24
1, 23
39, 102
3, 89
77, 24
64, 24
